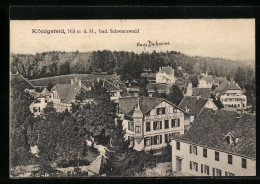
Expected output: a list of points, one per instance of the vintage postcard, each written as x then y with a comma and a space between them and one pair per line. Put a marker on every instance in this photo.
132, 98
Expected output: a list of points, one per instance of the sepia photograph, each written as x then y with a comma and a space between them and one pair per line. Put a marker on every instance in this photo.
132, 98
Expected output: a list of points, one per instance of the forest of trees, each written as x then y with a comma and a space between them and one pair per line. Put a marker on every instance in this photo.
122, 62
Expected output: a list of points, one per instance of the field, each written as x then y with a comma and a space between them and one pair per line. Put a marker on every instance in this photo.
65, 79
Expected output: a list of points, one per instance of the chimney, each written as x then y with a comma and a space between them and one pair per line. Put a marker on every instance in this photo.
71, 81
160, 69
198, 97
17, 72
98, 79
80, 82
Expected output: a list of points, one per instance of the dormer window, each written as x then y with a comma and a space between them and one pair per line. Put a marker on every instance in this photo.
231, 139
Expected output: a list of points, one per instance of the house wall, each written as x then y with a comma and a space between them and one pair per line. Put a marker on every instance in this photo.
234, 98
222, 164
210, 104
170, 113
204, 84
162, 77
40, 106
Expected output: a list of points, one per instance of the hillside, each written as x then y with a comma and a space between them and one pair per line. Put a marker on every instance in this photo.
53, 63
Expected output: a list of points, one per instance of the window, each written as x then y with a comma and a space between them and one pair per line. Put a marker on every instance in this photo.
148, 126
229, 174
160, 111
195, 150
173, 123
163, 110
230, 159
205, 154
178, 122
157, 125
46, 101
157, 139
138, 129
205, 169
243, 163
218, 172
190, 149
216, 156
130, 126
166, 124
147, 141
178, 145
166, 138
193, 166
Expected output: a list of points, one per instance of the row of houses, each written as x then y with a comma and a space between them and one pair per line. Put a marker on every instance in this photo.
205, 141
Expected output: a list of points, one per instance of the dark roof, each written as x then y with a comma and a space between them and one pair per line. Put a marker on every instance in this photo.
67, 92
203, 92
21, 80
193, 104
224, 86
167, 70
208, 78
210, 128
127, 104
159, 87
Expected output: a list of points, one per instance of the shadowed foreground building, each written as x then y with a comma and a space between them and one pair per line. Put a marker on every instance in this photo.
219, 143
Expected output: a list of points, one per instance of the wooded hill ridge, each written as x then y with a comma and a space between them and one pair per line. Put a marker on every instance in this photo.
53, 63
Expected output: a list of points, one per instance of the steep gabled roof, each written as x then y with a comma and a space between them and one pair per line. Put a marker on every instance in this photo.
167, 70
193, 103
210, 128
67, 92
203, 92
224, 87
208, 78
127, 104
21, 80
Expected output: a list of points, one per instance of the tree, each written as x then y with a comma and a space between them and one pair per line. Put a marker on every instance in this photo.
142, 83
65, 68
98, 114
194, 80
175, 96
21, 119
49, 86
130, 71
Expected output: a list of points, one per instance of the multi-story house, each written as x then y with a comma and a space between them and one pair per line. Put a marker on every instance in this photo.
219, 143
40, 102
231, 95
63, 94
193, 105
165, 75
149, 122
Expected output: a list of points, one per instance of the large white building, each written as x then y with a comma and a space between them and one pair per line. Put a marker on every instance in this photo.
149, 122
165, 75
231, 95
219, 143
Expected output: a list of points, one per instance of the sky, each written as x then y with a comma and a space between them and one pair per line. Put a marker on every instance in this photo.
223, 38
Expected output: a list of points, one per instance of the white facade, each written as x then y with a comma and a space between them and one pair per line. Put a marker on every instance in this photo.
190, 163
163, 78
157, 135
38, 105
234, 98
204, 84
